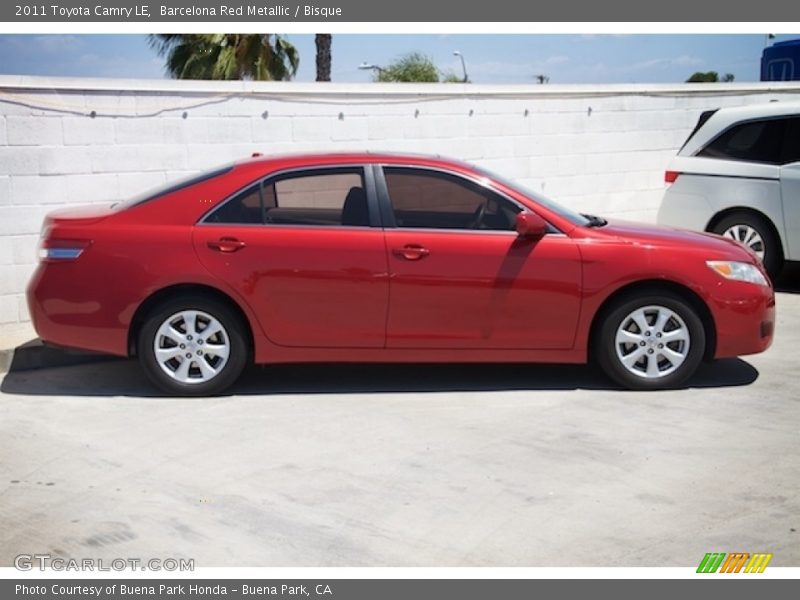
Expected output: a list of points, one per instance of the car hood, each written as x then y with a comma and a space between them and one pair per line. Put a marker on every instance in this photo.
657, 235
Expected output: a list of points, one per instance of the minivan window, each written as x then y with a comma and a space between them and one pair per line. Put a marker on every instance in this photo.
754, 141
791, 142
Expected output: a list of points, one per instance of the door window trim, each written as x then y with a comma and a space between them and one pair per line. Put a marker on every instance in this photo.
367, 176
387, 210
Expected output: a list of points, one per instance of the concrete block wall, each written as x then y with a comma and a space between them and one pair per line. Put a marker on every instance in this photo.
599, 149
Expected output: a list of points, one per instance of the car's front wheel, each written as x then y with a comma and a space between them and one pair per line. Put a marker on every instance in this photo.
650, 341
192, 346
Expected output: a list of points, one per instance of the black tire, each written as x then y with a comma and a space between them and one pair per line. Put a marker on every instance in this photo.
605, 346
773, 253
233, 331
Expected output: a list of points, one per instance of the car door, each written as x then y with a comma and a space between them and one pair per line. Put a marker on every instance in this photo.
460, 276
306, 251
790, 188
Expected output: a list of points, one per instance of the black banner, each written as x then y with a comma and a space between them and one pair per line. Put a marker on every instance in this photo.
260, 11
728, 587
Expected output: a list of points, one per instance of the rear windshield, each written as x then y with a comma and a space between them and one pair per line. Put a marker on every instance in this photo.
170, 187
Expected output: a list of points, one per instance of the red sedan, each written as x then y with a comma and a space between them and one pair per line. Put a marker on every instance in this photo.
387, 258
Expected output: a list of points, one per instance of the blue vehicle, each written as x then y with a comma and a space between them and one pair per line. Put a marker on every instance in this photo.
781, 62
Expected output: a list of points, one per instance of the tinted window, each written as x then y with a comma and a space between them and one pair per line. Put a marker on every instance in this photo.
756, 141
245, 207
791, 143
330, 197
428, 199
538, 197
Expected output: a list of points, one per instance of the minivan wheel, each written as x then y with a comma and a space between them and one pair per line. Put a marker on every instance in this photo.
754, 232
650, 341
192, 346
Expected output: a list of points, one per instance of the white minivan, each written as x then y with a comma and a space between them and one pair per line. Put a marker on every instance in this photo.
738, 175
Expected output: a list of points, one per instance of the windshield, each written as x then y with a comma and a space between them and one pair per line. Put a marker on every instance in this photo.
170, 187
572, 217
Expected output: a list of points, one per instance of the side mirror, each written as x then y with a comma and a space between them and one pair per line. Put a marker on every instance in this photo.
530, 225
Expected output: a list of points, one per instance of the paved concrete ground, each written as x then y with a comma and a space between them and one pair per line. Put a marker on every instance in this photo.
13, 335
404, 465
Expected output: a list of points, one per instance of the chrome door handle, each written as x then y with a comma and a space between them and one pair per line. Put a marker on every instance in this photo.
226, 244
411, 252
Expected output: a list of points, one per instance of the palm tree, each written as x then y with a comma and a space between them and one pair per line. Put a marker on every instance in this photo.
323, 42
263, 56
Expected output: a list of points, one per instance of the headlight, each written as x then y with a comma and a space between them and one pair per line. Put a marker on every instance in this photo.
738, 271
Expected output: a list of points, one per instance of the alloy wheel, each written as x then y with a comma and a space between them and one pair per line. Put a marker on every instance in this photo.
191, 347
652, 342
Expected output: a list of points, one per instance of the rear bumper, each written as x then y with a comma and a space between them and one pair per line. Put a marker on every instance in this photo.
744, 317
63, 315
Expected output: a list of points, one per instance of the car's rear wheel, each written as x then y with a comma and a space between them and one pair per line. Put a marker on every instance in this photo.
192, 346
754, 232
650, 341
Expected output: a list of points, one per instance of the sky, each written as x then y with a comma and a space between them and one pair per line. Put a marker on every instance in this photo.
489, 58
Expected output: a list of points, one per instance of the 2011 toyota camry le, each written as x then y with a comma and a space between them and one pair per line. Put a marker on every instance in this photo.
387, 258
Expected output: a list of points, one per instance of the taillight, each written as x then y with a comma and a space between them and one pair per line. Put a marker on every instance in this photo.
61, 250
671, 176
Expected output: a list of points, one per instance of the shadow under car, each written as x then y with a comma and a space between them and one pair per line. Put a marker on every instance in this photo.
125, 378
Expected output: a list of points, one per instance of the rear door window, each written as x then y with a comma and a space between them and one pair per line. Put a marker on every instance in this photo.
325, 197
330, 197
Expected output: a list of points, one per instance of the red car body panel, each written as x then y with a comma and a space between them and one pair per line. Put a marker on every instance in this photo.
309, 288
349, 294
483, 291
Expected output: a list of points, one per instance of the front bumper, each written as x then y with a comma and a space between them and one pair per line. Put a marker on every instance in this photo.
744, 316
